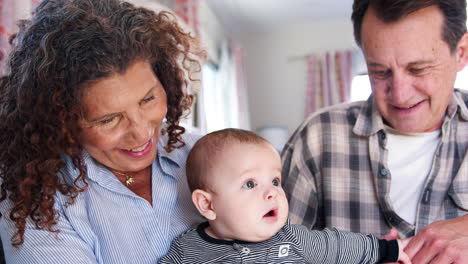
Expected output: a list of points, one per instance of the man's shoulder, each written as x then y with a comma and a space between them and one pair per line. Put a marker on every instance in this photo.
463, 95
339, 115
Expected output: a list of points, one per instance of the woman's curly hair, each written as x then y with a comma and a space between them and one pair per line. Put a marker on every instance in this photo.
66, 45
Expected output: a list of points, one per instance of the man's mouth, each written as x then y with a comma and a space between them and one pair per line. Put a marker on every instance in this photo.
404, 108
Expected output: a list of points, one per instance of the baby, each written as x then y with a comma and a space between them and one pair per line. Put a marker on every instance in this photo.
235, 179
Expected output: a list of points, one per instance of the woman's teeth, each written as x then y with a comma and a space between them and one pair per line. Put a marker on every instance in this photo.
140, 148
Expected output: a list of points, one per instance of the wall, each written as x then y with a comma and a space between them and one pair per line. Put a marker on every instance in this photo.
276, 68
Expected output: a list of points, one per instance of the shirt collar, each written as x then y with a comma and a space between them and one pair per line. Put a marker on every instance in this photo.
201, 230
173, 156
459, 104
369, 120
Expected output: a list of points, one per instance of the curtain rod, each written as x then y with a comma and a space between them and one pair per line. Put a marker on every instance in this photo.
304, 57
297, 58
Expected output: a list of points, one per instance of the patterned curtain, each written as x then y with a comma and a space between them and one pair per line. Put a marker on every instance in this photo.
223, 100
7, 26
10, 12
328, 80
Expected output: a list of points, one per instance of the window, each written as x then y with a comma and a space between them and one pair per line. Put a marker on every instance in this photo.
220, 101
361, 89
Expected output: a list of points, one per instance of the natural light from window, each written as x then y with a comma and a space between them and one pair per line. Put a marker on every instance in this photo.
361, 89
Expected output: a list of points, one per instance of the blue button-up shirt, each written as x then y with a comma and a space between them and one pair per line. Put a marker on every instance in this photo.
108, 223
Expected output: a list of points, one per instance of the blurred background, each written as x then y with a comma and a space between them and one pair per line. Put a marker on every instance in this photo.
270, 63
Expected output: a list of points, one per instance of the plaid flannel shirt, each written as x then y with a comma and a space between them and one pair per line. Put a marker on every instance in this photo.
335, 171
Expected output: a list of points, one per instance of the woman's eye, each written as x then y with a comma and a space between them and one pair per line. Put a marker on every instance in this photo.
148, 99
108, 122
276, 182
249, 185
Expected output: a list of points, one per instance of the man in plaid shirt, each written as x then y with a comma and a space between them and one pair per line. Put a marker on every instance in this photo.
398, 160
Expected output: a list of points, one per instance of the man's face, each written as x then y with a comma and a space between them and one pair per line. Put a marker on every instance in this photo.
411, 69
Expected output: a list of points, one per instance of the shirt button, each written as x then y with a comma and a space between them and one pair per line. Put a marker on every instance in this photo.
382, 136
245, 250
383, 172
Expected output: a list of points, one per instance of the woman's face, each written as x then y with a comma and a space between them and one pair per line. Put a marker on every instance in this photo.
123, 116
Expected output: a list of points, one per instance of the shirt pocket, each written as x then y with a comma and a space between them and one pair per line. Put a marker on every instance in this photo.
458, 192
285, 252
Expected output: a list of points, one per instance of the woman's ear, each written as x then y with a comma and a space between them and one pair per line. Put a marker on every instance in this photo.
202, 201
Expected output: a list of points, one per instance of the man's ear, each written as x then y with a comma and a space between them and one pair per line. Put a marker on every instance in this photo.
462, 52
202, 201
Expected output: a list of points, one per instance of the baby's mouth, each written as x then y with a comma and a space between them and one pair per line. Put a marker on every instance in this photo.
273, 213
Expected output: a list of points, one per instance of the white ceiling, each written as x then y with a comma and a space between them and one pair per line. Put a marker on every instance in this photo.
264, 15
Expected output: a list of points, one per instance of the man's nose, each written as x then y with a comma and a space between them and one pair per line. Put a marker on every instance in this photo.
400, 88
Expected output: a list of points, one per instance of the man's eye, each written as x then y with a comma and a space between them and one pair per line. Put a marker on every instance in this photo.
416, 70
276, 182
249, 185
380, 74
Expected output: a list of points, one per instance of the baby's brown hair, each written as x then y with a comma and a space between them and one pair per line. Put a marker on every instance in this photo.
203, 156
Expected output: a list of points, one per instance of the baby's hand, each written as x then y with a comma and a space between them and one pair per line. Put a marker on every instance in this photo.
391, 235
402, 257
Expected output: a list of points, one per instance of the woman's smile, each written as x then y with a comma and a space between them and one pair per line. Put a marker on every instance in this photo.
140, 151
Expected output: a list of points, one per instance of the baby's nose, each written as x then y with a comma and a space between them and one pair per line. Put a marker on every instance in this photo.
270, 194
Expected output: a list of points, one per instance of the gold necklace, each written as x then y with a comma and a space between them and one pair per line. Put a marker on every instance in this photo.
128, 177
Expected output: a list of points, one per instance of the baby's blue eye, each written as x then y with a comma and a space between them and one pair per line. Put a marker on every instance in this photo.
276, 182
249, 185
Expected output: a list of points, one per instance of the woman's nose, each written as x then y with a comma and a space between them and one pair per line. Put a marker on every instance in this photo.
140, 129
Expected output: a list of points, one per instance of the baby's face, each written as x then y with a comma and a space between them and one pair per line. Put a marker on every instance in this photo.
249, 202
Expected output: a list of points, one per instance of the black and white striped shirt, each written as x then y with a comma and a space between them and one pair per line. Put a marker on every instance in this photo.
292, 244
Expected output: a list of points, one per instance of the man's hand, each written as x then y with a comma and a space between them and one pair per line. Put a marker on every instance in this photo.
441, 242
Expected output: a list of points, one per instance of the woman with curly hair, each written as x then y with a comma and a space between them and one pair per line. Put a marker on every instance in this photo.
92, 167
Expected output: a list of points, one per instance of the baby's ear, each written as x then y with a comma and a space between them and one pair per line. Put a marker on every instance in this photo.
202, 201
